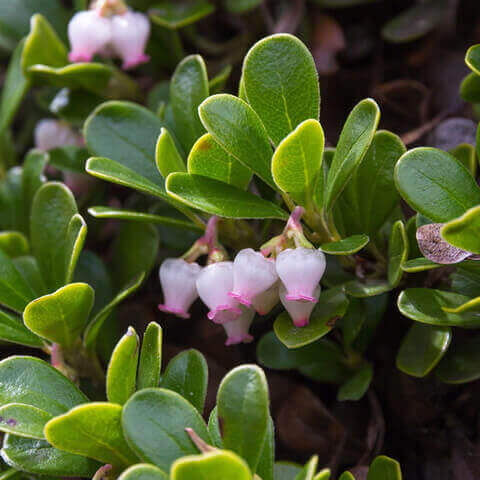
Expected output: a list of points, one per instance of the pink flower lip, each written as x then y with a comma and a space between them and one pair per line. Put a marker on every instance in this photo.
241, 298
213, 314
135, 61
175, 311
80, 56
300, 296
302, 322
247, 338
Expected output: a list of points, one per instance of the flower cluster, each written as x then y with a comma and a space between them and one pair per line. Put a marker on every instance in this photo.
110, 30
253, 283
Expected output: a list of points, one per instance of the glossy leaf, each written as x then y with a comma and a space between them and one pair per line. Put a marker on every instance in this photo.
187, 375
61, 316
23, 420
354, 141
308, 471
150, 363
286, 470
69, 158
177, 15
419, 265
214, 429
463, 232
218, 198
357, 385
74, 241
472, 58
331, 306
435, 184
243, 411
281, 84
94, 431
297, 161
267, 457
397, 253
209, 159
358, 289
143, 471
346, 246
167, 158
236, 127
13, 330
384, 468
466, 154
470, 88
32, 177
188, 89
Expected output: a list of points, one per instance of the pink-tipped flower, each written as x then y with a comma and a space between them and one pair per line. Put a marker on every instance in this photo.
213, 285
50, 133
252, 275
130, 33
178, 279
264, 302
89, 33
300, 270
237, 330
299, 310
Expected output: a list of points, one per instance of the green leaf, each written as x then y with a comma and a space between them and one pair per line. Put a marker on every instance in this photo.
419, 265
15, 291
309, 470
236, 127
346, 246
94, 431
187, 375
188, 89
397, 253
218, 465
69, 158
323, 474
357, 385
177, 15
143, 471
38, 457
281, 84
61, 316
167, 158
214, 429
134, 251
354, 141
422, 348
472, 58
267, 458
95, 325
209, 159
33, 382
28, 268
466, 154
218, 82
427, 305
463, 232
416, 21
154, 422
286, 470
14, 244
52, 210
32, 178
13, 330
372, 288
384, 468
243, 412
435, 184
331, 306
42, 46
122, 369
346, 476
23, 420
74, 241
297, 161
470, 88
240, 7
150, 357
218, 198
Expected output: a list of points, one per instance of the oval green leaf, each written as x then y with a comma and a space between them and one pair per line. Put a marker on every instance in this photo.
384, 468
357, 385
463, 232
143, 471
23, 420
13, 330
346, 246
150, 363
397, 253
167, 158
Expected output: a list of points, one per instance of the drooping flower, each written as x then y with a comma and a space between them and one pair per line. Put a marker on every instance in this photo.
265, 301
300, 271
237, 330
178, 279
130, 33
50, 134
299, 310
89, 33
213, 284
252, 275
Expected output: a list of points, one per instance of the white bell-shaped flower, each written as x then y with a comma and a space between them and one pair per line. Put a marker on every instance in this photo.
130, 33
300, 270
50, 133
178, 279
252, 275
213, 285
299, 310
89, 33
265, 301
237, 330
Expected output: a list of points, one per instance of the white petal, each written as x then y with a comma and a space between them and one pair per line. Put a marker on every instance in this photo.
50, 133
265, 301
237, 330
299, 310
300, 270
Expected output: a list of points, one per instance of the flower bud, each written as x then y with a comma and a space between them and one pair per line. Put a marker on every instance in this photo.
89, 33
178, 279
213, 285
300, 270
265, 301
130, 33
237, 330
50, 134
252, 275
299, 310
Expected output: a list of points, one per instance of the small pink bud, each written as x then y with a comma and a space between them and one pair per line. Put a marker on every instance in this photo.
130, 33
50, 134
213, 285
252, 275
237, 330
89, 33
300, 270
178, 279
264, 302
299, 310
